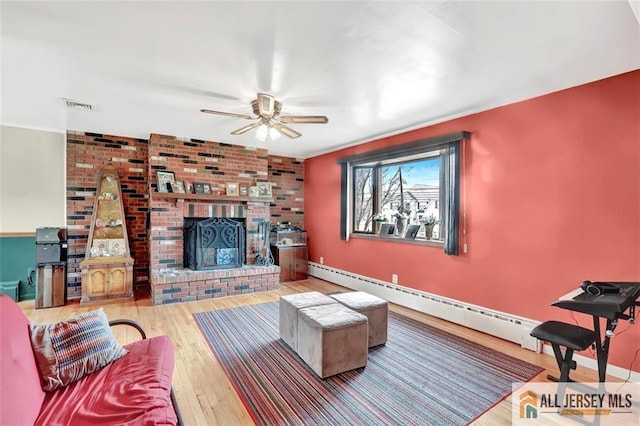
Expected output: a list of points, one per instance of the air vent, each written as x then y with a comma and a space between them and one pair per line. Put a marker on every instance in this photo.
77, 105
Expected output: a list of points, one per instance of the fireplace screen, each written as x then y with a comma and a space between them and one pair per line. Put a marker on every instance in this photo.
214, 243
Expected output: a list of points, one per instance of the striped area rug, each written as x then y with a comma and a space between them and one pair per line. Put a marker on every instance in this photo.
422, 376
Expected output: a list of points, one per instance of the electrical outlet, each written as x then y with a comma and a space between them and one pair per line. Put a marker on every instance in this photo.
321, 260
394, 278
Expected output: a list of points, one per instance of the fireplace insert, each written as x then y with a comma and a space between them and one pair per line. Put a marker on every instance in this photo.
214, 243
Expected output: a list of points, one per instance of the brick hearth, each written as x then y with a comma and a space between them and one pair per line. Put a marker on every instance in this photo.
182, 285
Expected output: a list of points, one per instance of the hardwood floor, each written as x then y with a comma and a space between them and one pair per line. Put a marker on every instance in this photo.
205, 395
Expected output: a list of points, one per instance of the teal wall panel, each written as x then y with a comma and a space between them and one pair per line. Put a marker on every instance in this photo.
17, 256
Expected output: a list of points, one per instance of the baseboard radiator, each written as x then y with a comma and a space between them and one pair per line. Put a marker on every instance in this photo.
505, 326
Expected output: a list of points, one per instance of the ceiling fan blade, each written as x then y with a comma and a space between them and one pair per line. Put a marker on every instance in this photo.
287, 131
227, 114
245, 128
266, 105
302, 119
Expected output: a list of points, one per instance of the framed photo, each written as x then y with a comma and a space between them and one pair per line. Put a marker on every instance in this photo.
232, 188
412, 232
188, 187
264, 189
199, 187
207, 188
387, 229
244, 190
254, 192
177, 187
164, 178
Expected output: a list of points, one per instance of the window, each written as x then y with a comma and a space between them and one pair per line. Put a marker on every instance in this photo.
398, 188
411, 184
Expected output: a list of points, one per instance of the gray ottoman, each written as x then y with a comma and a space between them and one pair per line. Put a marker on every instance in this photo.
375, 309
289, 306
332, 339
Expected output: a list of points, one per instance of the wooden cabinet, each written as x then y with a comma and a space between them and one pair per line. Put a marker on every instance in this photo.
107, 280
293, 262
107, 270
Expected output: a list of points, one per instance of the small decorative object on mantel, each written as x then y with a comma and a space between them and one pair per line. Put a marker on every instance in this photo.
232, 188
177, 187
199, 187
164, 178
254, 191
244, 190
264, 189
202, 188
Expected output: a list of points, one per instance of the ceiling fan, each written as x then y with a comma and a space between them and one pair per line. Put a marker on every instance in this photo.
269, 121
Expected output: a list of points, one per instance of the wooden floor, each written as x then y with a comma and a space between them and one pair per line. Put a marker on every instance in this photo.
204, 393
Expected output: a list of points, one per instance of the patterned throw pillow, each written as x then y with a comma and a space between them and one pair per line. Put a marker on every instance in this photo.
69, 350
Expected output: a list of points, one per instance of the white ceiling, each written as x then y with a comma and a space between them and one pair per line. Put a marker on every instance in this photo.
374, 68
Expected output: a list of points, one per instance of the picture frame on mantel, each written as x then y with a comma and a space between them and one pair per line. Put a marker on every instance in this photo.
201, 188
177, 187
254, 192
164, 178
232, 188
264, 189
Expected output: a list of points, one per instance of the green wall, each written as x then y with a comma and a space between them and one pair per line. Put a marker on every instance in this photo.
17, 256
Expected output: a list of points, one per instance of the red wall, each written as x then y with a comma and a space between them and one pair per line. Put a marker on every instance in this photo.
552, 199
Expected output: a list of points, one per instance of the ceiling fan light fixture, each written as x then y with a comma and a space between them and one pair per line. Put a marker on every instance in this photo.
269, 121
274, 133
262, 132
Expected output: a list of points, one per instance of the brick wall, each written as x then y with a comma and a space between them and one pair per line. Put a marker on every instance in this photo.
154, 224
205, 162
86, 154
287, 176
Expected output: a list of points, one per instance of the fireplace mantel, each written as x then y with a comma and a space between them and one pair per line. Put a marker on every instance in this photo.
208, 197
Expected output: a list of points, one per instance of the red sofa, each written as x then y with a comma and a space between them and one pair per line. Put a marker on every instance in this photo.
135, 389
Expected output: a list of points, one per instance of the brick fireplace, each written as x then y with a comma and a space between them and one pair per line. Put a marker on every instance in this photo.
171, 282
155, 222
193, 161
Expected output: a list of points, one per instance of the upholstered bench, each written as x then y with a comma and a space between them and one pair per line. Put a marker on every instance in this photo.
375, 309
289, 307
572, 337
332, 339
